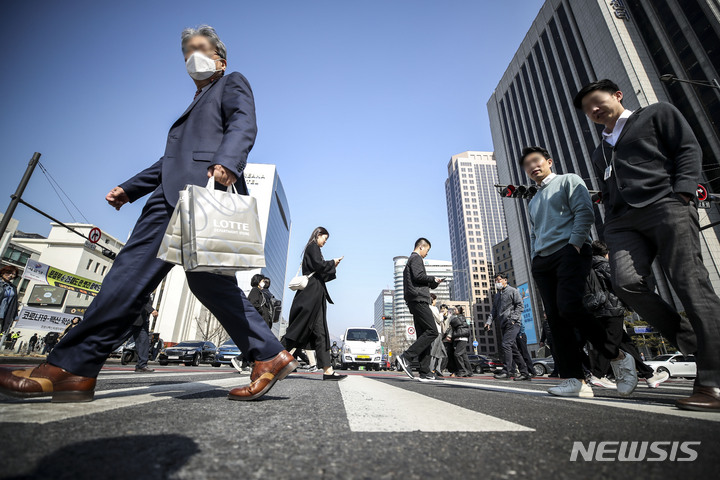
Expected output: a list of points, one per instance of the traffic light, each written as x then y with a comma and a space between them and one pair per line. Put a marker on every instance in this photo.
109, 253
596, 197
517, 191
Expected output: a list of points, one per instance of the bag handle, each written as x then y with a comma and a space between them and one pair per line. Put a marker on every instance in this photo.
211, 186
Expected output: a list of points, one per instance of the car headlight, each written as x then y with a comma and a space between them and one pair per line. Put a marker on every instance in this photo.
162, 352
347, 350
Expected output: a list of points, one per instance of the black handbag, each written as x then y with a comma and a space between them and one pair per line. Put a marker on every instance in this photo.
595, 296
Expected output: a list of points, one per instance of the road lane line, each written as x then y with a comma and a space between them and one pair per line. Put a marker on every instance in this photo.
125, 375
374, 406
40, 410
625, 403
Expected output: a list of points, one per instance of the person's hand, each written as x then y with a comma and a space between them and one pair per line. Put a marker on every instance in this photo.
541, 344
222, 175
154, 313
487, 327
117, 198
685, 197
338, 260
439, 280
577, 248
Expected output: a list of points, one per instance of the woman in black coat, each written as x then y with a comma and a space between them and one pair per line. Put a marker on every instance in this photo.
8, 297
258, 300
308, 314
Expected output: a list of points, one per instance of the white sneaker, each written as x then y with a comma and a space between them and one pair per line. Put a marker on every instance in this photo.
237, 363
603, 382
626, 377
572, 387
657, 379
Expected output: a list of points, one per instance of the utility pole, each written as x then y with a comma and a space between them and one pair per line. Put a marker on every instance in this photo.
15, 199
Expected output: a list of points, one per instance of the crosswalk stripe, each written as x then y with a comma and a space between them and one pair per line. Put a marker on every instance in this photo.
158, 375
626, 403
374, 406
40, 410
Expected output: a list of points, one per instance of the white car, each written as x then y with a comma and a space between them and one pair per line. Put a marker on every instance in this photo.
677, 365
362, 348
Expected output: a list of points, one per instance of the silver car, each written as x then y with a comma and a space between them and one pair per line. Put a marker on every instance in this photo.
677, 365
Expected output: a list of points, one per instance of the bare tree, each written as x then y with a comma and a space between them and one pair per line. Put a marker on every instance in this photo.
209, 329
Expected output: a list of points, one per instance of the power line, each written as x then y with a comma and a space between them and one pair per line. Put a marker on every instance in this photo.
50, 177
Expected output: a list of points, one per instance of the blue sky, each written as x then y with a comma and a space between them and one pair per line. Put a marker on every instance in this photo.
360, 104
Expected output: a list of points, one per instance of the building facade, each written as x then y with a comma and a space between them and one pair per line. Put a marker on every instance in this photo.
569, 45
182, 316
383, 312
502, 261
476, 222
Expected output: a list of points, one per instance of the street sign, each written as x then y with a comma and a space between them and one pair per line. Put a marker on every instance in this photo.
644, 329
94, 235
702, 193
475, 343
411, 330
704, 204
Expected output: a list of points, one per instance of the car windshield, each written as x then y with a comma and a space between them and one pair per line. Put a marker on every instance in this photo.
662, 358
228, 344
361, 335
189, 344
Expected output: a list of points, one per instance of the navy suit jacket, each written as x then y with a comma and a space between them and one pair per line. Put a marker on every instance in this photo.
218, 128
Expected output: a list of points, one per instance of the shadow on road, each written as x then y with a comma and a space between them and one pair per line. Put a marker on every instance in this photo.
142, 456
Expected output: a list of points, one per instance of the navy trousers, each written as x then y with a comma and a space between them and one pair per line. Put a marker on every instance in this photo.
136, 273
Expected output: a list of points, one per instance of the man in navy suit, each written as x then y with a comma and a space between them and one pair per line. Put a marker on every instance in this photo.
211, 138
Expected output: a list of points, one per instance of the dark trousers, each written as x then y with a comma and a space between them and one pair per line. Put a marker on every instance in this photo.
561, 279
142, 342
669, 230
521, 343
426, 332
600, 366
135, 273
461, 357
511, 354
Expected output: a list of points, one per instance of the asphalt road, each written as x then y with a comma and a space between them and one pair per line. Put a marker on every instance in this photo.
177, 423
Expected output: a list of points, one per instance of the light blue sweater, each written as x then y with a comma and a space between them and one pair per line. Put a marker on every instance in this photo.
561, 212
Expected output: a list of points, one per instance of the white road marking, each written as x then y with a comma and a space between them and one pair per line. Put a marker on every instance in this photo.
158, 374
374, 406
626, 403
40, 410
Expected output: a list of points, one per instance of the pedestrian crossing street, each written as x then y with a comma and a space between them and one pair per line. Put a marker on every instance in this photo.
373, 403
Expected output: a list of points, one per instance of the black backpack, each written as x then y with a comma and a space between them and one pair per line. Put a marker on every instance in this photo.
595, 295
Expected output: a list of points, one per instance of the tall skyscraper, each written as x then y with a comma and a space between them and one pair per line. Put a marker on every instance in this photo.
384, 312
477, 222
572, 43
404, 328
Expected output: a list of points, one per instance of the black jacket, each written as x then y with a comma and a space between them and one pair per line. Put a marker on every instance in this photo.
458, 327
259, 301
612, 307
416, 282
507, 306
657, 155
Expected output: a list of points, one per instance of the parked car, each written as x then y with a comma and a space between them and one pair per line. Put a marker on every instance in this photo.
482, 364
192, 352
542, 366
225, 352
677, 365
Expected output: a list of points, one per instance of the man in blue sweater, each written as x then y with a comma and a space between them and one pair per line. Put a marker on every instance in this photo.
561, 215
648, 167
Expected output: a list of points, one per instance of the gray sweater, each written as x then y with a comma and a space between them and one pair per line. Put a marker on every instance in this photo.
560, 213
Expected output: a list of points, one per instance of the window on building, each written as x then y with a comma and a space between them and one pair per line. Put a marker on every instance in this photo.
89, 265
97, 265
103, 270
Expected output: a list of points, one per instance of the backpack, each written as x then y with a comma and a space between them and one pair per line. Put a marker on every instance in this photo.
595, 295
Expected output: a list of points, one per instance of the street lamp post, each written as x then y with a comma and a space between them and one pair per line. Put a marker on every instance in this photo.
670, 79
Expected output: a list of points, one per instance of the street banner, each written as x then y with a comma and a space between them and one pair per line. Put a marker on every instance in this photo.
527, 314
45, 274
44, 320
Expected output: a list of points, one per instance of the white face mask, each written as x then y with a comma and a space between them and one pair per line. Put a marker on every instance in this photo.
200, 67
498, 285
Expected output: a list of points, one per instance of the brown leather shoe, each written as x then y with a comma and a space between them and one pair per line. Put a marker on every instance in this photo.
264, 375
703, 399
47, 380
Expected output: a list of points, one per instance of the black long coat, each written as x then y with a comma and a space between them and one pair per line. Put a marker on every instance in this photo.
310, 305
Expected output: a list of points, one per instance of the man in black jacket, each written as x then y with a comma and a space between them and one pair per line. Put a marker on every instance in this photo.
416, 287
648, 167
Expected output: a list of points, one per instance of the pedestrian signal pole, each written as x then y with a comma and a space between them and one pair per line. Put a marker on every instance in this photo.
15, 199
